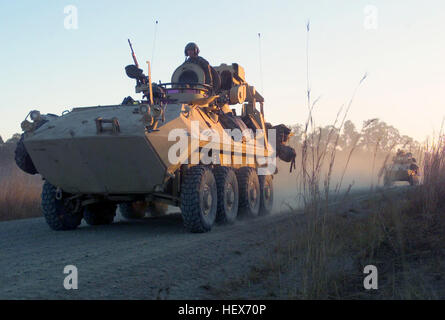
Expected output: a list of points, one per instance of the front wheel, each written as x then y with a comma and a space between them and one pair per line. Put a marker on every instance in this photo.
60, 214
198, 199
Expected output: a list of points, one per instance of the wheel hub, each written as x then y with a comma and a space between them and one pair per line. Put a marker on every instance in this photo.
230, 197
252, 192
207, 200
267, 192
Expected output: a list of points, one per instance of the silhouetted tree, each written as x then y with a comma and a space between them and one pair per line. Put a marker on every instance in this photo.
350, 135
297, 133
14, 139
374, 136
379, 134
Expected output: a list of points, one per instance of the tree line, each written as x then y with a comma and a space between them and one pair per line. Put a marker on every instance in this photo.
14, 139
374, 136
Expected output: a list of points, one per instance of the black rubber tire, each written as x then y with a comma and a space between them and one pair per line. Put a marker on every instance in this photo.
57, 214
198, 188
387, 182
99, 213
249, 192
413, 181
128, 212
22, 158
266, 190
228, 195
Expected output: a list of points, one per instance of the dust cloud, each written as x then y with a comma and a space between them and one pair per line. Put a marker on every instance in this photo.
360, 172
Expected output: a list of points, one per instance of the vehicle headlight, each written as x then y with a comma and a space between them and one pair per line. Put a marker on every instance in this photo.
35, 115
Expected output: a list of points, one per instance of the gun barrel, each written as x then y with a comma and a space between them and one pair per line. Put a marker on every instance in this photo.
133, 55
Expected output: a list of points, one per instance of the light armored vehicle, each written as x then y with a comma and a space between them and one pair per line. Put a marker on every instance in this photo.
402, 168
144, 155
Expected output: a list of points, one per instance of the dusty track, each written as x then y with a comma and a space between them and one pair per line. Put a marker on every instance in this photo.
150, 259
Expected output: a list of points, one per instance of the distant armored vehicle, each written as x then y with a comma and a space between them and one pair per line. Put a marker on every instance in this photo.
95, 159
402, 168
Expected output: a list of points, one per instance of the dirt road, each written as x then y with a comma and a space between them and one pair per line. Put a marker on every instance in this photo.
150, 259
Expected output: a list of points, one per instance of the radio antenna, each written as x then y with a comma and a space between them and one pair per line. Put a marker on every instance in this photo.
261, 63
154, 43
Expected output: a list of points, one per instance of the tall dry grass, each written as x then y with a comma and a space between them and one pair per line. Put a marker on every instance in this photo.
19, 192
401, 231
317, 165
434, 174
383, 236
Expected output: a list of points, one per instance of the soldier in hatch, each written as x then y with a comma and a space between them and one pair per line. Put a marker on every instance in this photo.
191, 52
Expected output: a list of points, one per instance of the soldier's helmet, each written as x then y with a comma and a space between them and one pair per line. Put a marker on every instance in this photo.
191, 46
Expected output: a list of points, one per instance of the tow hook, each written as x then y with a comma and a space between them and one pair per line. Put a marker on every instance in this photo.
58, 194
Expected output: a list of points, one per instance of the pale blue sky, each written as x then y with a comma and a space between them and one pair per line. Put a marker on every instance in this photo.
47, 67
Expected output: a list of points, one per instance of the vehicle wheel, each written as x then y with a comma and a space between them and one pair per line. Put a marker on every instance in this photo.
249, 192
413, 181
387, 181
22, 158
99, 213
130, 210
59, 214
227, 186
198, 199
266, 190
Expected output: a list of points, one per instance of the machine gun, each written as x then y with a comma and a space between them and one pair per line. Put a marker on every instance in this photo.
143, 82
133, 55
133, 71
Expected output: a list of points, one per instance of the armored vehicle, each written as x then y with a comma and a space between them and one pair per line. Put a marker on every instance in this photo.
402, 168
143, 155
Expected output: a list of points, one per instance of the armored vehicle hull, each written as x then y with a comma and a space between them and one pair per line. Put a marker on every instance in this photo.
401, 172
71, 153
179, 147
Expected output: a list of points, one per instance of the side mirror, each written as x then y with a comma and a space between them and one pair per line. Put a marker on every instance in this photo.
134, 72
